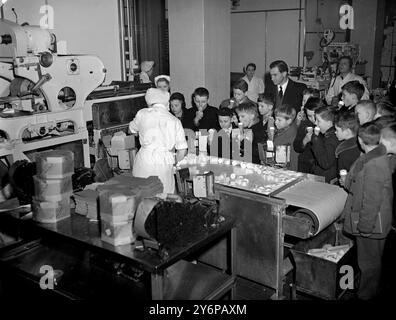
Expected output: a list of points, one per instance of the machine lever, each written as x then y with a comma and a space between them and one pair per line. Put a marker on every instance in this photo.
43, 79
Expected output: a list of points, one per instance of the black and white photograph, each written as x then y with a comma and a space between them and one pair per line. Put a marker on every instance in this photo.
171, 152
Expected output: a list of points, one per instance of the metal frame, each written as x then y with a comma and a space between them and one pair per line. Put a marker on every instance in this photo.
158, 279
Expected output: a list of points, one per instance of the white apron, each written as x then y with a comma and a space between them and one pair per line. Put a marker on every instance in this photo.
159, 134
158, 162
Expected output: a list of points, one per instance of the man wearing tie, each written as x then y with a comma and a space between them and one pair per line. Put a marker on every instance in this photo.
285, 90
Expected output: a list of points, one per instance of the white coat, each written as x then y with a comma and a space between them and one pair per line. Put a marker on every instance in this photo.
160, 133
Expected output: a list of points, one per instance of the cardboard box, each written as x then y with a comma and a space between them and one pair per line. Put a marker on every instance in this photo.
318, 276
50, 212
117, 233
52, 189
117, 202
55, 164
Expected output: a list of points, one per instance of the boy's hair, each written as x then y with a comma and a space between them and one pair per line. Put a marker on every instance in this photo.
241, 85
312, 91
248, 107
267, 98
347, 120
368, 105
202, 92
354, 87
225, 112
370, 134
282, 65
385, 108
178, 96
384, 121
314, 103
326, 113
286, 111
389, 132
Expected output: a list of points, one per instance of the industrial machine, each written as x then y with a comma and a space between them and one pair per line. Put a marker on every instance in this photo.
42, 94
110, 109
282, 217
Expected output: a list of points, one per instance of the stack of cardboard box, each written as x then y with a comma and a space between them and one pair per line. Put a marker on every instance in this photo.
53, 186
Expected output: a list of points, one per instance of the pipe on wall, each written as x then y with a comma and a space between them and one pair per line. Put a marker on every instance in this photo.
299, 34
122, 38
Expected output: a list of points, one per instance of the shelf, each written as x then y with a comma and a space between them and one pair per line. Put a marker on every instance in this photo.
187, 281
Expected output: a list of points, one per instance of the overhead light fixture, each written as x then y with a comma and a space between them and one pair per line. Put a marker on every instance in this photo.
3, 2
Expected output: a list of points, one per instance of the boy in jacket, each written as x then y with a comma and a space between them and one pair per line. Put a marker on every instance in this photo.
302, 143
324, 144
286, 131
346, 125
368, 209
249, 117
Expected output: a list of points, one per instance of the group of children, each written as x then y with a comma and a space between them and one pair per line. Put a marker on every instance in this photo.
356, 138
352, 144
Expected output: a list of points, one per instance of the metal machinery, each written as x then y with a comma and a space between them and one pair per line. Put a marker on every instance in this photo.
280, 216
111, 108
318, 77
42, 94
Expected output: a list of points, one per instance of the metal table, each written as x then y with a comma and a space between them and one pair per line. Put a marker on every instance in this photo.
170, 277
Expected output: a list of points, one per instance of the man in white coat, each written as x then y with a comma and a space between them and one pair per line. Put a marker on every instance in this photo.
160, 134
345, 75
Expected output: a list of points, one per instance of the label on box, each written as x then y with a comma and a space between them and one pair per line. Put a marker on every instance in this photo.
55, 159
281, 154
118, 199
203, 143
123, 160
199, 186
270, 145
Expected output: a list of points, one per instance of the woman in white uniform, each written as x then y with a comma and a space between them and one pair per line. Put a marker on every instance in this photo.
162, 82
255, 84
160, 134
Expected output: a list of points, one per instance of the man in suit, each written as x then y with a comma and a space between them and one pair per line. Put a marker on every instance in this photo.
285, 90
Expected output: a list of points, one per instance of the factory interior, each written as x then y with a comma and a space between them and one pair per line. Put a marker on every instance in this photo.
197, 149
